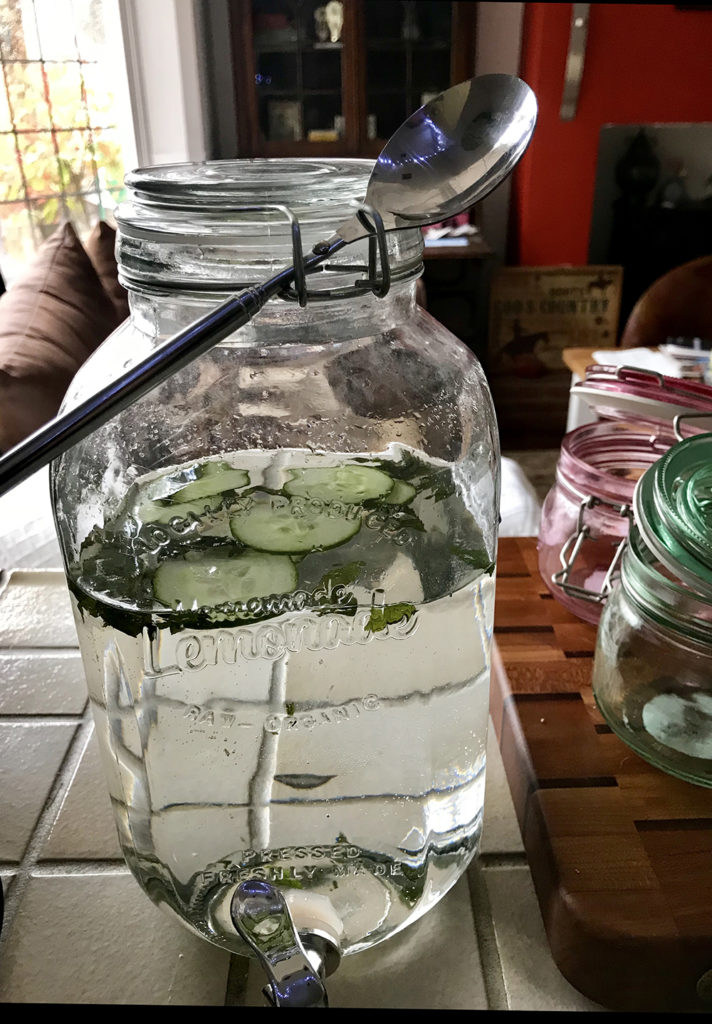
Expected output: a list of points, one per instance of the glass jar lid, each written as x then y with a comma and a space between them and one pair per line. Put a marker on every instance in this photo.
627, 392
673, 510
226, 224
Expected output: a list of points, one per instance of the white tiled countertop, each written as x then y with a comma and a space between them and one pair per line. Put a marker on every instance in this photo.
78, 929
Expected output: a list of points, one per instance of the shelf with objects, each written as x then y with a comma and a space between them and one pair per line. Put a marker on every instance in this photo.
337, 78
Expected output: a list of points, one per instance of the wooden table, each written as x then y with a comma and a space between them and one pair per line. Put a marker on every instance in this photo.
578, 360
620, 852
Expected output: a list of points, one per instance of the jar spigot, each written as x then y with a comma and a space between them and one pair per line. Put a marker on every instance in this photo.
295, 964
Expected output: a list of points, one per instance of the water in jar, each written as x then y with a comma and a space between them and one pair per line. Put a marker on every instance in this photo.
288, 663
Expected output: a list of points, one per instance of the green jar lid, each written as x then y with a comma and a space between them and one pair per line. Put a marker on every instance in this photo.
673, 510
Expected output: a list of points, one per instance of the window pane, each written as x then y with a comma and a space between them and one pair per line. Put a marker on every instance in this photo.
5, 119
65, 93
77, 160
431, 72
321, 112
17, 239
81, 210
322, 70
18, 34
112, 198
100, 96
55, 26
433, 21
109, 159
281, 119
386, 71
39, 163
384, 20
26, 92
276, 71
60, 147
47, 214
89, 23
10, 182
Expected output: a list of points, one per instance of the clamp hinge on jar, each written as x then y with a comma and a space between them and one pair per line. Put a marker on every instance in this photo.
572, 547
680, 419
378, 271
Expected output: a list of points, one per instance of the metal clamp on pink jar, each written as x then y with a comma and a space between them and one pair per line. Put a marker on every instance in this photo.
586, 514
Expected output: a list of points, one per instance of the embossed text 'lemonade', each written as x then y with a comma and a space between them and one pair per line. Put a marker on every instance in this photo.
288, 662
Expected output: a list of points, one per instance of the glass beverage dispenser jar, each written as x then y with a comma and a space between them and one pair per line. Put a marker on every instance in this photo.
281, 563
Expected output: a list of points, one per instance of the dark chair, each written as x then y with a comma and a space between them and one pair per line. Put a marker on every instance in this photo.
677, 305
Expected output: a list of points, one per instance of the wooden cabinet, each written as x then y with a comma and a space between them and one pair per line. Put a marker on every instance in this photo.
336, 79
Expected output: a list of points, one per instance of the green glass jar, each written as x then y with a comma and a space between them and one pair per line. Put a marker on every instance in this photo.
652, 676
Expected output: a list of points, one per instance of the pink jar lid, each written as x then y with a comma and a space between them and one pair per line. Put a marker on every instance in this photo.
630, 393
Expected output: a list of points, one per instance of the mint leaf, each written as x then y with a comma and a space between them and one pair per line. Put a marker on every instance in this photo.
476, 558
382, 617
340, 576
428, 480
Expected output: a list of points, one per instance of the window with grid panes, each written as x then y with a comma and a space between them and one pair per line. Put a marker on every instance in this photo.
65, 126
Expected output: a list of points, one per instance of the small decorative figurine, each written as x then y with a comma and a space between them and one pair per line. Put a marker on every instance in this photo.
335, 19
321, 27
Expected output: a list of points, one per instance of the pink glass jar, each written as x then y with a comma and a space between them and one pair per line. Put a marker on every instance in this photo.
586, 514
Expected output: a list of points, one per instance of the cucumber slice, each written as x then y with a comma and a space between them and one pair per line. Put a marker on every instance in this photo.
210, 580
352, 484
401, 494
210, 478
291, 529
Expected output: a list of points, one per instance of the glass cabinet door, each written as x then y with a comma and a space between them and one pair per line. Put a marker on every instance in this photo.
407, 48
337, 77
298, 76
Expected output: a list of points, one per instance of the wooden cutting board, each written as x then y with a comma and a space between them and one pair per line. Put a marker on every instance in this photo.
620, 852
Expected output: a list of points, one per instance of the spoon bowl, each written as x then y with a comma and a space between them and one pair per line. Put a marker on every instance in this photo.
450, 153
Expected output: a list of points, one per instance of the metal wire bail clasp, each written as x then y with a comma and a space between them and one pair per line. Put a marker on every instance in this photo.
572, 547
682, 416
377, 273
377, 247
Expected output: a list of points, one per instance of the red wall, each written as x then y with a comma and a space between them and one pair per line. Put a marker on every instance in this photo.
644, 63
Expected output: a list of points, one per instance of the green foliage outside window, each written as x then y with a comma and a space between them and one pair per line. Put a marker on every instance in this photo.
59, 142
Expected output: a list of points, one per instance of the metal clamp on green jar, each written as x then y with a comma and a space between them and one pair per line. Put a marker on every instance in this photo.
652, 676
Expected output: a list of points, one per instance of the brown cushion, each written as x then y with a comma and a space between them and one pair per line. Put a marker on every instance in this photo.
100, 247
51, 319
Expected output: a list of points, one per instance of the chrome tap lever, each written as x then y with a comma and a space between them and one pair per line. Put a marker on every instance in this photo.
260, 914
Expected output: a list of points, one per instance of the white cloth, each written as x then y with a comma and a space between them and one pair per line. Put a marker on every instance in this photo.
520, 508
641, 358
27, 536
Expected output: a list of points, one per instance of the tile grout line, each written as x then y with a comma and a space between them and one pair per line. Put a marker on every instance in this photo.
41, 719
492, 972
85, 866
45, 821
23, 650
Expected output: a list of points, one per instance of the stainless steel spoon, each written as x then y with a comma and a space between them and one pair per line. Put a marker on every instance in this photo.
443, 159
449, 154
